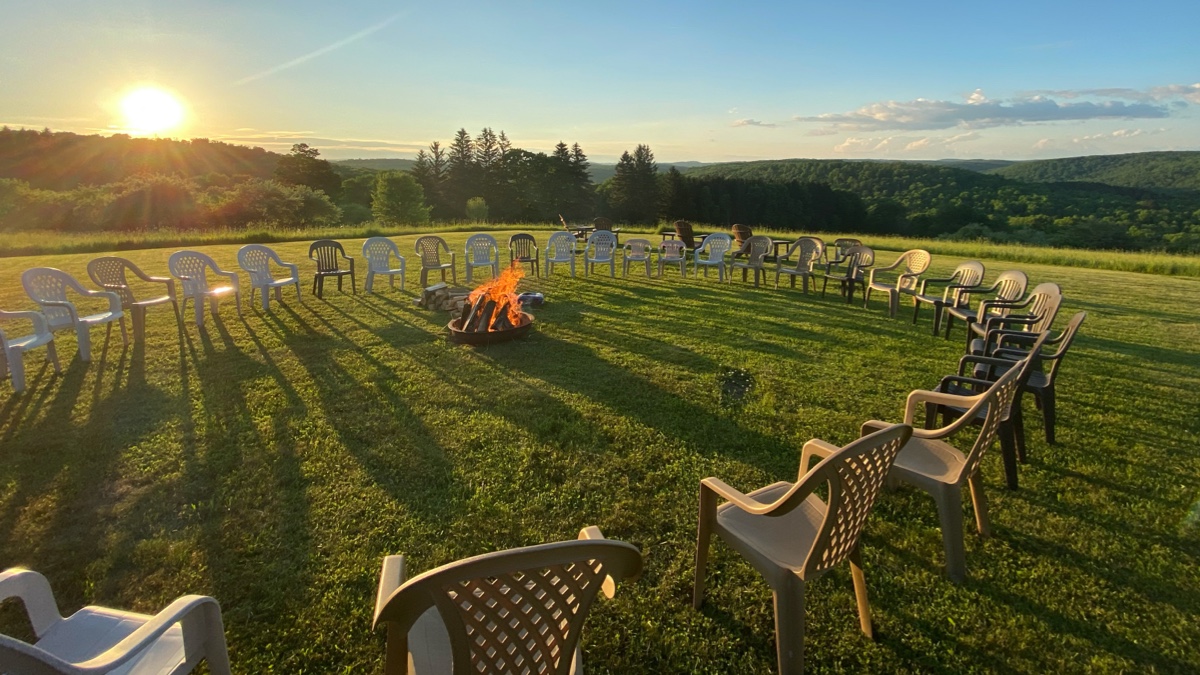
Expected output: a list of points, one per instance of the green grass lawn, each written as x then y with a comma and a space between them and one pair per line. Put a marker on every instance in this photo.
272, 462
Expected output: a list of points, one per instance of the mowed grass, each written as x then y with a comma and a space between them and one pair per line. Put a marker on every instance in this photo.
273, 461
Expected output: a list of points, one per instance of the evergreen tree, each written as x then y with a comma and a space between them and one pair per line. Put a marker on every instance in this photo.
584, 191
399, 199
432, 172
462, 174
633, 195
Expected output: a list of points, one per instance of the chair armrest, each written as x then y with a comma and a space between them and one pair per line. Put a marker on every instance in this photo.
739, 499
925, 396
609, 587
39, 320
65, 304
927, 281
178, 611
815, 448
964, 380
233, 277
391, 577
871, 426
34, 592
976, 359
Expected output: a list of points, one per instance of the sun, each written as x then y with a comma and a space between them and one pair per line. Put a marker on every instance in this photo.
151, 110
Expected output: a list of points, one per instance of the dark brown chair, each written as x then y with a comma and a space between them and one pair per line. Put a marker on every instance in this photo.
328, 255
741, 233
523, 248
683, 230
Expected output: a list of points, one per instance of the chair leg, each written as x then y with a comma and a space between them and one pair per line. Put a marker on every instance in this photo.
949, 505
298, 296
1048, 413
1018, 420
789, 627
369, 284
824, 285
278, 294
860, 593
124, 332
979, 502
266, 298
138, 315
16, 368
52, 356
916, 310
198, 309
353, 283
708, 515
1008, 451
85, 341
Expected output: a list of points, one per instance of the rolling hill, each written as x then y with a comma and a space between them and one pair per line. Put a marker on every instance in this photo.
1165, 171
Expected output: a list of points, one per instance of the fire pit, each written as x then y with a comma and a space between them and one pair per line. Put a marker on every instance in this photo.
492, 313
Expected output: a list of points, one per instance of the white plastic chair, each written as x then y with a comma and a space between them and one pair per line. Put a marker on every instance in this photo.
560, 249
482, 251
672, 252
379, 251
12, 349
636, 251
48, 288
98, 640
191, 268
601, 250
256, 259
715, 246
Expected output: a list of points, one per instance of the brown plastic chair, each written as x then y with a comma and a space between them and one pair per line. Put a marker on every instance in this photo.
854, 267
911, 265
516, 611
430, 249
1040, 382
751, 256
683, 230
109, 273
928, 462
741, 233
329, 255
967, 276
1009, 287
792, 536
522, 249
1040, 309
807, 251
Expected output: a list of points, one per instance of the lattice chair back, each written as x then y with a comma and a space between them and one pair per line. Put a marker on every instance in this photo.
854, 477
518, 611
842, 246
969, 273
191, 268
637, 249
430, 249
561, 246
1062, 343
757, 247
683, 230
482, 249
1044, 303
523, 246
1010, 286
716, 245
46, 284
998, 401
327, 252
916, 263
256, 260
108, 272
859, 258
602, 244
379, 251
671, 249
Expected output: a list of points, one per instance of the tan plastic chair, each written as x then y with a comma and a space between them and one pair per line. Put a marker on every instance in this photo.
911, 265
1009, 287
840, 249
48, 288
430, 249
806, 251
751, 256
792, 536
516, 611
256, 259
98, 640
636, 251
965, 278
109, 273
1040, 308
379, 252
928, 462
672, 252
12, 349
851, 271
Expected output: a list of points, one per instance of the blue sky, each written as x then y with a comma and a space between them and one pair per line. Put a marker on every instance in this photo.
695, 81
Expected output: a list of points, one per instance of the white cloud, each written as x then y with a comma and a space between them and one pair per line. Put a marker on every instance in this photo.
1169, 92
751, 123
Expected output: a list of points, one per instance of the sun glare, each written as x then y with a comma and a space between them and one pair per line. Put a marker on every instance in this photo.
150, 110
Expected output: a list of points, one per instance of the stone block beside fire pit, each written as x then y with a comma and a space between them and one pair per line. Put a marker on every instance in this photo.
443, 297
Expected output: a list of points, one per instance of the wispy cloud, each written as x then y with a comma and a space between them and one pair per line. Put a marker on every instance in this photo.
323, 50
751, 123
978, 112
1169, 92
283, 140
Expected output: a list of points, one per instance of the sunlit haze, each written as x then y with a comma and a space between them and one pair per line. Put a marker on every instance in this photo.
695, 81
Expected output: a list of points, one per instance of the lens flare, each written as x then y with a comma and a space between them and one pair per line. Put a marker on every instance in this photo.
150, 110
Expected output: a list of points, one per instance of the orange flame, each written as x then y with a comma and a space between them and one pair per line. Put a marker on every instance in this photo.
502, 290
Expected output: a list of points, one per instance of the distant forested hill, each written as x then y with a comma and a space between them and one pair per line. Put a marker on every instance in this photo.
935, 200
1151, 170
379, 164
64, 161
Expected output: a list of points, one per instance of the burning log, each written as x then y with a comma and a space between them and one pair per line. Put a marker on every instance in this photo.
493, 306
